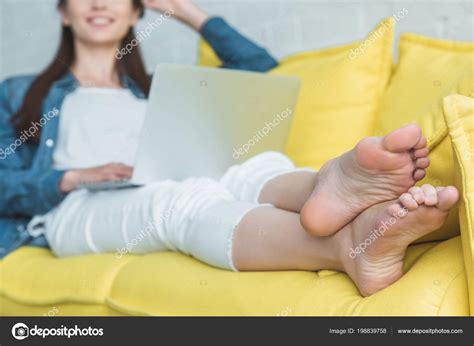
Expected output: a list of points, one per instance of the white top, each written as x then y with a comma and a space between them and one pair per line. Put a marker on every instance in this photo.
98, 126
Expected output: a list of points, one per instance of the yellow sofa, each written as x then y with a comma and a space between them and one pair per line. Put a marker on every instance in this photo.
348, 92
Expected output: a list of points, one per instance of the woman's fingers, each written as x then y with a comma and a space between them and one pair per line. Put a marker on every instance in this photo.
109, 172
117, 171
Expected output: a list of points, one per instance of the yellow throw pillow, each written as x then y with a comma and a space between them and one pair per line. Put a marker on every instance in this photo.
427, 71
206, 56
459, 115
339, 95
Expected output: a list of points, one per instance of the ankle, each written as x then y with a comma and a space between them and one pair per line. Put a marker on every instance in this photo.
341, 244
325, 254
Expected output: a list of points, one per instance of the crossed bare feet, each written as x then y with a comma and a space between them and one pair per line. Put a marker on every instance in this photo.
373, 186
373, 245
378, 169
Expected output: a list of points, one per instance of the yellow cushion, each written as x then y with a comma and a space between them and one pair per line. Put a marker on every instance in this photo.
339, 95
34, 282
206, 56
459, 114
428, 70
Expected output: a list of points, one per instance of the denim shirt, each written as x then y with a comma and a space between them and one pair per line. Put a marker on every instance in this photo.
29, 185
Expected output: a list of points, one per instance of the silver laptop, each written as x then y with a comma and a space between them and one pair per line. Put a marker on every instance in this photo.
201, 121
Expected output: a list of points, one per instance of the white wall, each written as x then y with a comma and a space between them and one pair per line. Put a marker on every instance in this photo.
29, 29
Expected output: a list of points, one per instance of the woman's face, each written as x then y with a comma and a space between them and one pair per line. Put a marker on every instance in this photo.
99, 21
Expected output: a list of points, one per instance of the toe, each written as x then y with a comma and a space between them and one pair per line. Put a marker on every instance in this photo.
447, 197
421, 143
419, 174
418, 153
402, 139
408, 201
422, 163
396, 210
431, 195
417, 194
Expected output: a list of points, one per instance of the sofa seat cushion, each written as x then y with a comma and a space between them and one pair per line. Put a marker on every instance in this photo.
34, 282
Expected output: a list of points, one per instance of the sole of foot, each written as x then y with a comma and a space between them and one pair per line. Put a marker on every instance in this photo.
376, 241
378, 169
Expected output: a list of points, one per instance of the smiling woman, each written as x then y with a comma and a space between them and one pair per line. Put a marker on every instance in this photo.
86, 23
100, 100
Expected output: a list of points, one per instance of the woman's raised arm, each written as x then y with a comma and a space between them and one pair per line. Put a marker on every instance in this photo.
234, 50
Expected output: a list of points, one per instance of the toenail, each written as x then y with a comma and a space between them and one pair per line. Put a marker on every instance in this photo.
415, 190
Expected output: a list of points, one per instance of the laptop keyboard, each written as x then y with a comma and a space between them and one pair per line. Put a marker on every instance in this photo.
107, 185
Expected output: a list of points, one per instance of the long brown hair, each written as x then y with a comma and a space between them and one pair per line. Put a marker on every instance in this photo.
130, 65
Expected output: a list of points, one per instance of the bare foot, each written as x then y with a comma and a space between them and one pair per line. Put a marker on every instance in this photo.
378, 169
375, 242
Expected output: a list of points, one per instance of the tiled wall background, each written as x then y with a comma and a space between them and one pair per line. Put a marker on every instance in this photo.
29, 29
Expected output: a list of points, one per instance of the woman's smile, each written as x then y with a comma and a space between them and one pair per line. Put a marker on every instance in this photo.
100, 21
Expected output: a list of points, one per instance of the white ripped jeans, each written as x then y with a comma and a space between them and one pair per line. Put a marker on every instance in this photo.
196, 217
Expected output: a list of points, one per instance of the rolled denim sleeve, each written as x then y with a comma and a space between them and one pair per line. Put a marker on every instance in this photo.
24, 189
29, 192
235, 50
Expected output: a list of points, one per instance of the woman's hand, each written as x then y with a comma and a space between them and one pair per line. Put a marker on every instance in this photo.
184, 10
111, 172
